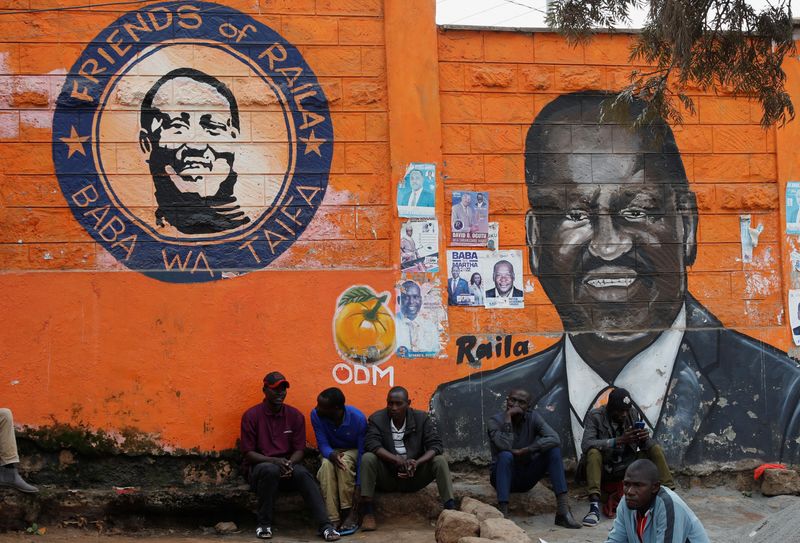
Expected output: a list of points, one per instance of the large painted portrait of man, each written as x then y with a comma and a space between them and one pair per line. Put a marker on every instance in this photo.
191, 152
611, 230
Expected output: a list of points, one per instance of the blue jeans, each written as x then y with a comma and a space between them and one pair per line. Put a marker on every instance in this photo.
511, 474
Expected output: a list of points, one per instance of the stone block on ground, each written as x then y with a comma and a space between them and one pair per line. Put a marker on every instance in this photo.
226, 527
469, 504
779, 482
453, 525
485, 511
500, 529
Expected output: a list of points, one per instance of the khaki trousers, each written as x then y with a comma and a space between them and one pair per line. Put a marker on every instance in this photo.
594, 467
8, 441
337, 485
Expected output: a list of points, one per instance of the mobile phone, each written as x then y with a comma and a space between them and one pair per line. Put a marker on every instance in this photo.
639, 425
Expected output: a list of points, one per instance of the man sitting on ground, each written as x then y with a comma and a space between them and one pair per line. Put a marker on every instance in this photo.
403, 454
273, 443
614, 436
650, 513
524, 449
340, 430
9, 458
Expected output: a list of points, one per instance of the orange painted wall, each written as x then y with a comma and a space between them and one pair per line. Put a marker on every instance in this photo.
88, 342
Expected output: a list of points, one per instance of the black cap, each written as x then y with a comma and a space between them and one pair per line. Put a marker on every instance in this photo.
275, 379
619, 400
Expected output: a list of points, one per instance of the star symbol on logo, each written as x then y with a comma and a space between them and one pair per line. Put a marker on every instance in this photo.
74, 142
312, 144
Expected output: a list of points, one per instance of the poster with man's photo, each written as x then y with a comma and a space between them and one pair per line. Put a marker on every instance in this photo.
416, 192
420, 319
502, 271
469, 218
419, 246
465, 283
794, 314
793, 207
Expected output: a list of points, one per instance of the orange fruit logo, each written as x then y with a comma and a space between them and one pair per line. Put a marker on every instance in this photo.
363, 326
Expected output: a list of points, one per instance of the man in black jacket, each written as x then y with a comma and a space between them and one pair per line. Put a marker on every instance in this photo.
524, 449
403, 453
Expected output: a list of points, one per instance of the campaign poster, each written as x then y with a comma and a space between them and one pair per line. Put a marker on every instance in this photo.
419, 246
469, 218
493, 243
502, 271
416, 192
794, 314
793, 207
420, 319
465, 283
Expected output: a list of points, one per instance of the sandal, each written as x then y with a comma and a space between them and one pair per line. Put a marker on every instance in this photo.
591, 519
348, 529
264, 532
330, 534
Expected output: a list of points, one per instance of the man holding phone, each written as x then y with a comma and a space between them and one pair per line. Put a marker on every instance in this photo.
614, 436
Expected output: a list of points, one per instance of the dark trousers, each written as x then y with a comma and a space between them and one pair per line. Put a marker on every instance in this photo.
511, 474
376, 474
265, 480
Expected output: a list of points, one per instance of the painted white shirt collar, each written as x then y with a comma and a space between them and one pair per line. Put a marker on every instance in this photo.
652, 366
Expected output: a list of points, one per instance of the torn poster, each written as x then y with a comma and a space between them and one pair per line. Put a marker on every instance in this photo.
420, 319
793, 207
419, 246
493, 243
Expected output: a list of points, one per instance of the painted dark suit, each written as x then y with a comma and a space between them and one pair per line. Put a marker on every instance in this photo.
716, 409
611, 231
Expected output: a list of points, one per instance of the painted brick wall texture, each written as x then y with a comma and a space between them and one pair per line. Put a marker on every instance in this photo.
90, 342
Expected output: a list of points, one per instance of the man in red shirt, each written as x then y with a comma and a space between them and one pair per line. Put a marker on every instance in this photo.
273, 443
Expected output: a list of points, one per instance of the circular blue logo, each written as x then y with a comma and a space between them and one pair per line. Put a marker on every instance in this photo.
192, 142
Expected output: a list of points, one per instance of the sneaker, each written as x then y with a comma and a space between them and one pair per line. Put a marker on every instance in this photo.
592, 518
264, 532
330, 534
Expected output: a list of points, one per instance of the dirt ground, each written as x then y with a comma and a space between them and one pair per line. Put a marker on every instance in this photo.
728, 515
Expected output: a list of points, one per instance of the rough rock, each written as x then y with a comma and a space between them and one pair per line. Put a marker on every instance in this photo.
485, 511
500, 529
474, 540
226, 527
470, 505
779, 482
453, 525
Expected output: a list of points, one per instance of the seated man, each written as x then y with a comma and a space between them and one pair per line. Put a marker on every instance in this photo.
403, 454
340, 431
650, 513
9, 458
524, 449
273, 443
612, 440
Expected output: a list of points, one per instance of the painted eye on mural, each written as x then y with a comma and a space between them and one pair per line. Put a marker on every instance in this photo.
634, 214
577, 215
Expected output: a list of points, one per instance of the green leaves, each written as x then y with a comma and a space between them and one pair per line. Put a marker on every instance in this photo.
689, 46
357, 294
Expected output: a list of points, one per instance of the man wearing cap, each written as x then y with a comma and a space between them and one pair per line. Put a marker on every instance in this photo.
273, 442
611, 442
9, 458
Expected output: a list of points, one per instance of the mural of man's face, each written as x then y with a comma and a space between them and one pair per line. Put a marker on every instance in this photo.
410, 301
610, 244
503, 277
194, 147
416, 180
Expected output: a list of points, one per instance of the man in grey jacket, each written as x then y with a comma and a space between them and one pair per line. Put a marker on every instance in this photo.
611, 442
404, 454
524, 449
650, 513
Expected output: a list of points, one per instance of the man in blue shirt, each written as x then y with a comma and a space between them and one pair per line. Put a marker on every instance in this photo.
340, 431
